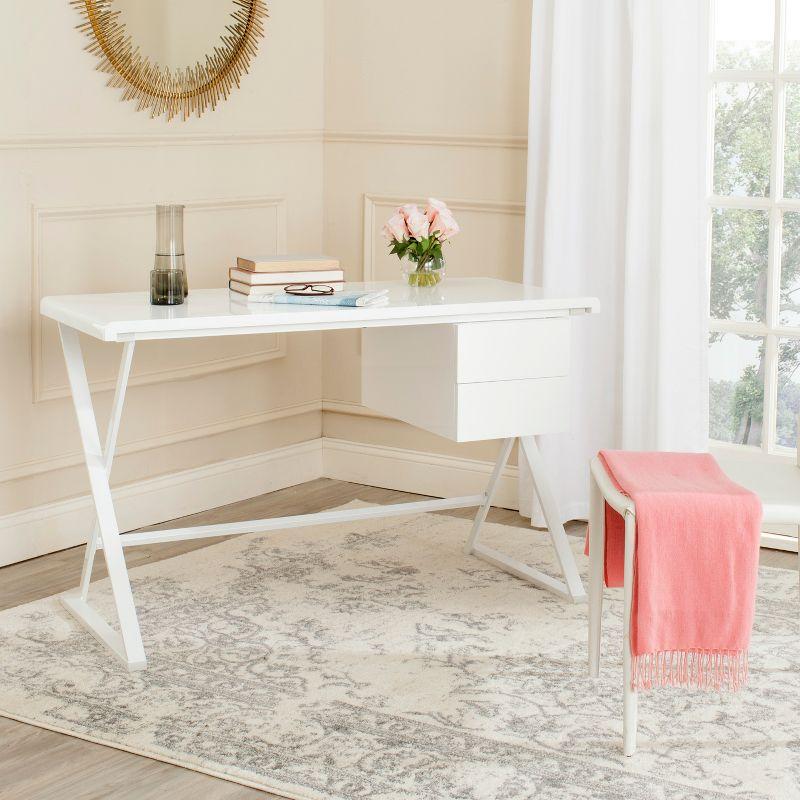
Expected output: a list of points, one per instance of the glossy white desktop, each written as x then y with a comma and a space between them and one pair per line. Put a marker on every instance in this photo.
473, 359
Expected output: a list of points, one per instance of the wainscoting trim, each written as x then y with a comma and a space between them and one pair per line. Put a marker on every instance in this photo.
427, 139
39, 142
43, 465
66, 523
100, 140
351, 408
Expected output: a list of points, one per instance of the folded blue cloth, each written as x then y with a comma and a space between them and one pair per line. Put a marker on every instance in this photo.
350, 299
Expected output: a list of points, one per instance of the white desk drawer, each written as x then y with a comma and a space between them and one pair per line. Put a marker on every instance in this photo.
506, 351
430, 377
502, 409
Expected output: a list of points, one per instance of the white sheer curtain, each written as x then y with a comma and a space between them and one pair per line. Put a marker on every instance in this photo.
615, 209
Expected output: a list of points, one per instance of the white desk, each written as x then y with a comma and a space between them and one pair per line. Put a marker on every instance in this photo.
472, 359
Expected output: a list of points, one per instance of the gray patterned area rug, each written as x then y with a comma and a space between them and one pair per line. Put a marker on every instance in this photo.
374, 660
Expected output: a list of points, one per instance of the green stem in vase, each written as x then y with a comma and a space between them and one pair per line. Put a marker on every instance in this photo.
422, 278
426, 271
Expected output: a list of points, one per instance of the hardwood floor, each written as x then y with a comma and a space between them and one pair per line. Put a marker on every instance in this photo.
40, 765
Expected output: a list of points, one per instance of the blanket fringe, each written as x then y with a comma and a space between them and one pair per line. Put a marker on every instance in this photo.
701, 669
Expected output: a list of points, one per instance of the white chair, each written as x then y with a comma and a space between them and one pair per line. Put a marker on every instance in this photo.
602, 490
778, 486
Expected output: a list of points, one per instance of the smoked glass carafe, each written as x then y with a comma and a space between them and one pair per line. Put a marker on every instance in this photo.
168, 283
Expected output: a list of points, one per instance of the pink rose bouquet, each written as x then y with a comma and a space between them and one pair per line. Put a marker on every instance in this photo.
418, 235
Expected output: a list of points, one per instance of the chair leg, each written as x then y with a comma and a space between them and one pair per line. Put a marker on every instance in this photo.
629, 693
597, 546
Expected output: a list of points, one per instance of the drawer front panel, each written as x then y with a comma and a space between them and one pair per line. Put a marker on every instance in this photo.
502, 409
409, 374
505, 351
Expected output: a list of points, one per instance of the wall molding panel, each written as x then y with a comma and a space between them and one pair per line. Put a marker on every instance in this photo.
42, 215
177, 373
41, 466
374, 202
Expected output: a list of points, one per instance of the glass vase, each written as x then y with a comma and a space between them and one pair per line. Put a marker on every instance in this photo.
429, 273
168, 283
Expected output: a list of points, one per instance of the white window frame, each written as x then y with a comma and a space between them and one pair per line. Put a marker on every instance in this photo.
776, 204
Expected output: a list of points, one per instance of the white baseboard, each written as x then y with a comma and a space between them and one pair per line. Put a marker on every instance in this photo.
415, 471
779, 541
56, 526
66, 523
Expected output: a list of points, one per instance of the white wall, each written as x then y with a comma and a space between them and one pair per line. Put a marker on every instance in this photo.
80, 172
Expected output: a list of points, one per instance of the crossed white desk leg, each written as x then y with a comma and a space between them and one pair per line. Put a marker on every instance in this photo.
571, 587
127, 644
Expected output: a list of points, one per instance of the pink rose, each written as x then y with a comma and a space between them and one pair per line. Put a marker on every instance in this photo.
395, 229
418, 224
434, 207
408, 209
445, 225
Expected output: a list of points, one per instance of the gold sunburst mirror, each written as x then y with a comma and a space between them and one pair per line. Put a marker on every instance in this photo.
173, 57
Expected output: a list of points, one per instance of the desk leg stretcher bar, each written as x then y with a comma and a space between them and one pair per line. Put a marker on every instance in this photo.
105, 536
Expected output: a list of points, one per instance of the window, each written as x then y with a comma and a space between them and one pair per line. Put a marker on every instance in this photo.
754, 220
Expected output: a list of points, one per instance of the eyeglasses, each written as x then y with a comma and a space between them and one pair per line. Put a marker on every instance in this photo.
308, 289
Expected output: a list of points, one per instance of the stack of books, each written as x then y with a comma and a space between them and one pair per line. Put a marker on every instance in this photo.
268, 275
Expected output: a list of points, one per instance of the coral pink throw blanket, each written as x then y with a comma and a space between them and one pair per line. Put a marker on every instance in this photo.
695, 567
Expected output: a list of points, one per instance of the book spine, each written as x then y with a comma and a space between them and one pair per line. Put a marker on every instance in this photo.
239, 288
285, 278
275, 288
249, 265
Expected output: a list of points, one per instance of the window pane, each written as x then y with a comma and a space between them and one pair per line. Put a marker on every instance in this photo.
739, 257
790, 270
791, 183
742, 138
736, 388
788, 392
744, 30
793, 34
